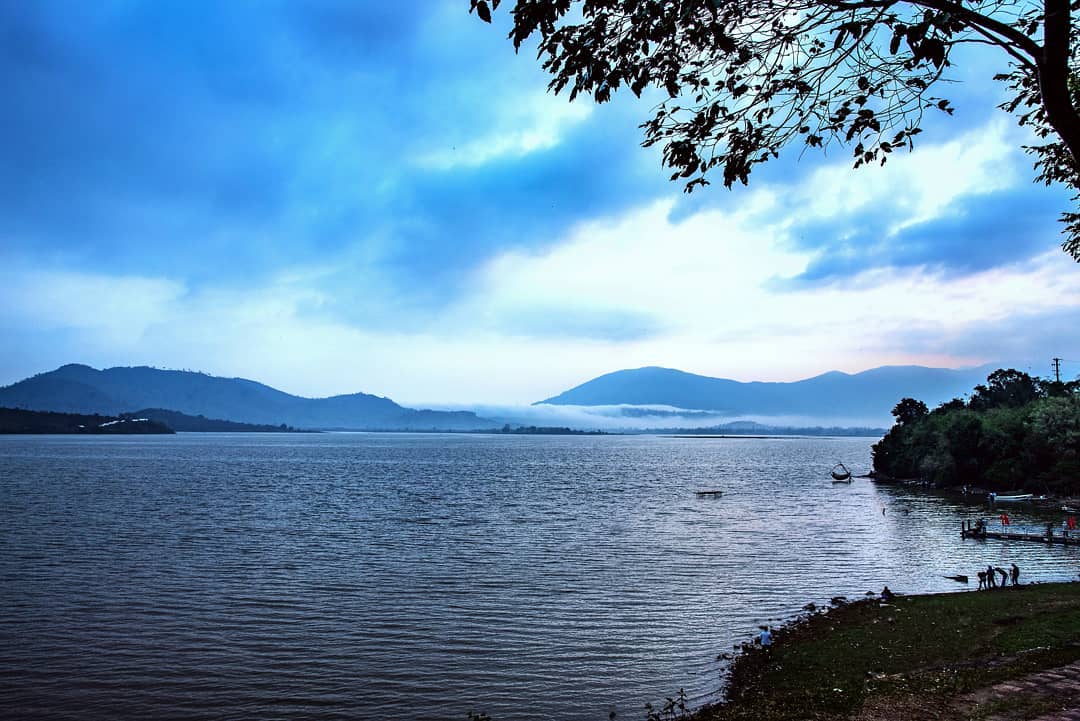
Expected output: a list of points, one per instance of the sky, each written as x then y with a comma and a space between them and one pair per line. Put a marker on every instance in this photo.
337, 196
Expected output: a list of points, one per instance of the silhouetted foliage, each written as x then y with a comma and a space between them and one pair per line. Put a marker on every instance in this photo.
909, 410
744, 78
953, 405
674, 708
1016, 432
1005, 388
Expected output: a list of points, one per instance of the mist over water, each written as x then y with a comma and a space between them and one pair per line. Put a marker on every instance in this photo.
355, 576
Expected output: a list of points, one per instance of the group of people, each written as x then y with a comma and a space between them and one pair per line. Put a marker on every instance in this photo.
980, 527
988, 578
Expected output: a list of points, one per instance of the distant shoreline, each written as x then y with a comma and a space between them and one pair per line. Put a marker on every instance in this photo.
149, 421
15, 421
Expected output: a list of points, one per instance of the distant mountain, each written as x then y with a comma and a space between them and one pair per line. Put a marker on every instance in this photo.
750, 428
868, 395
81, 389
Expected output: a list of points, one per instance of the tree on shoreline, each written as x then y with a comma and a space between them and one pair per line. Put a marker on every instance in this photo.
1016, 431
745, 78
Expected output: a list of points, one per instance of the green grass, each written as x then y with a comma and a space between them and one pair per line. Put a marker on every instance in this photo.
923, 647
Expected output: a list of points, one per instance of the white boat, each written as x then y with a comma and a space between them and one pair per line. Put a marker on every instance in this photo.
995, 498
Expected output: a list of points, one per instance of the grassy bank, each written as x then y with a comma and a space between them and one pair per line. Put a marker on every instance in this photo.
918, 657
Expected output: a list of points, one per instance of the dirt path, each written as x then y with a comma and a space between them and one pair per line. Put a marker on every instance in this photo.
1052, 695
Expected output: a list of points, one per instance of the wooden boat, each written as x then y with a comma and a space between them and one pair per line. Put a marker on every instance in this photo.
714, 494
960, 578
840, 474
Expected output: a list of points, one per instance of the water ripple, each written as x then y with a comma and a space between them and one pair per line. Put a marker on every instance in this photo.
353, 576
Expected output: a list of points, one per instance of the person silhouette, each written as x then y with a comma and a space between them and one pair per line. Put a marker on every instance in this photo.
1014, 572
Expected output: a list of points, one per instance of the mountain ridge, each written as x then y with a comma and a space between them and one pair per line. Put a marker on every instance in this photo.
78, 388
868, 394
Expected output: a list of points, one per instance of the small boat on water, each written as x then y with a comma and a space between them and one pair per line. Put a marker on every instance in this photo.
959, 578
840, 474
995, 498
714, 494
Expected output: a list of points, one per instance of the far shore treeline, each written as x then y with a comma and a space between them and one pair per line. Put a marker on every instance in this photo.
17, 420
1015, 432
148, 420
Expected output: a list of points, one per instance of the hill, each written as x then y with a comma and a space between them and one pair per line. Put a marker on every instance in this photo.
81, 389
14, 420
750, 428
200, 424
867, 396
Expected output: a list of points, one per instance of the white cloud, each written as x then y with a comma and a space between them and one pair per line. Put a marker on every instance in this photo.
118, 309
921, 184
518, 126
703, 292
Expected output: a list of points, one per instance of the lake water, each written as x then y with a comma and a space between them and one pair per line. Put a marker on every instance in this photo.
363, 576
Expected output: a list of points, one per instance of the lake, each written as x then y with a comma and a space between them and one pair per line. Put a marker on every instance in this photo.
357, 576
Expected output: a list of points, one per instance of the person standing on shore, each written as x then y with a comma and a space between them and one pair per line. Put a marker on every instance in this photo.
1014, 572
982, 580
1004, 575
991, 581
766, 637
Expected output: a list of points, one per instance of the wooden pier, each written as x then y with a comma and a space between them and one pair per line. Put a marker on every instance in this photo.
1050, 535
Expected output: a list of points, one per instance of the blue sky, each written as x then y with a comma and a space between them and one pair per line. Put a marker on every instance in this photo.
340, 196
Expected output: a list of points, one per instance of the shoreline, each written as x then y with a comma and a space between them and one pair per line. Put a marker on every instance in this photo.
915, 657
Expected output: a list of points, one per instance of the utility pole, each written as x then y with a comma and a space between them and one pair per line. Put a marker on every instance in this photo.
1057, 369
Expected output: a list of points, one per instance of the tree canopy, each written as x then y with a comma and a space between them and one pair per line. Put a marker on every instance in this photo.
745, 78
1016, 431
909, 411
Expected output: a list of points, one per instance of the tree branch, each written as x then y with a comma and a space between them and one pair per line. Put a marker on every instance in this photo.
1053, 69
978, 20
994, 40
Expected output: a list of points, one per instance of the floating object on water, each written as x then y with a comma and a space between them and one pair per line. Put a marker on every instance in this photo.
960, 578
710, 493
995, 498
840, 473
